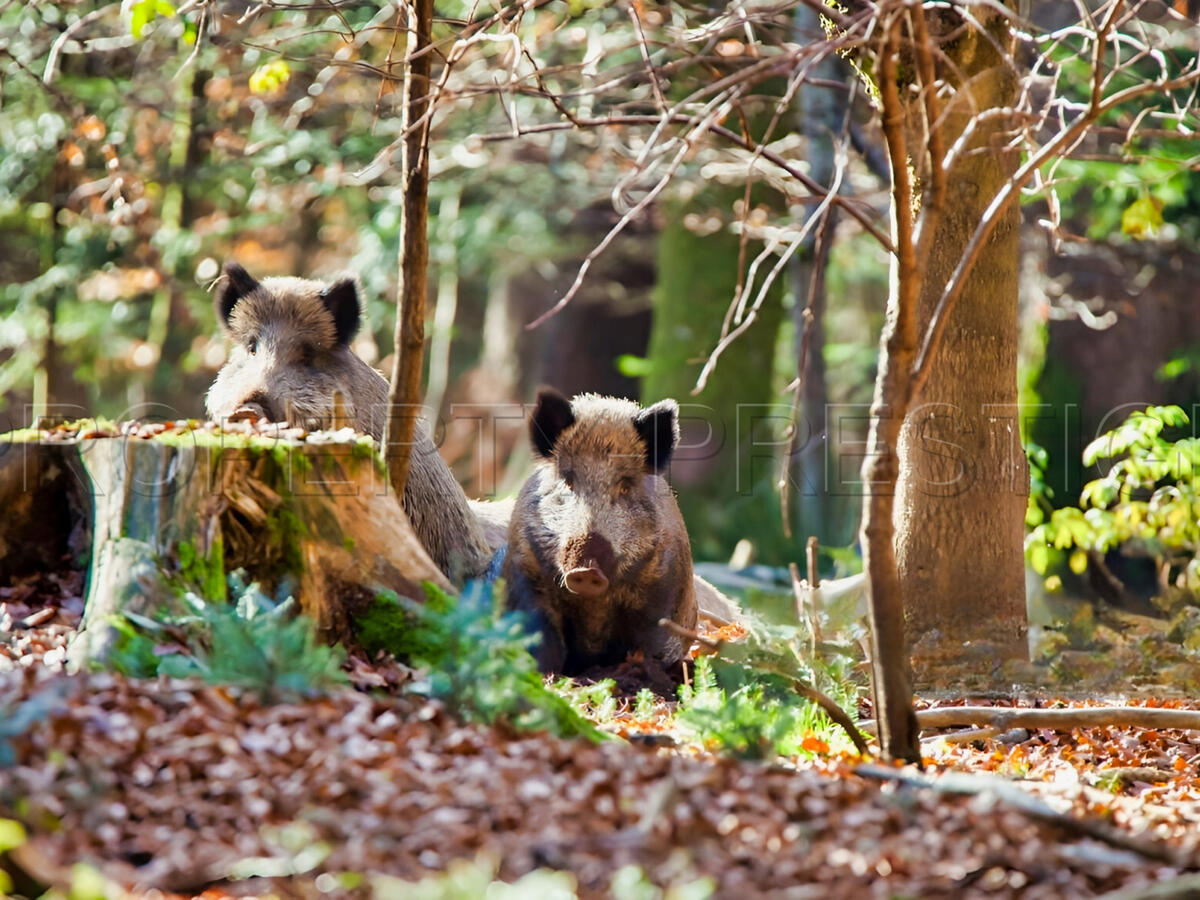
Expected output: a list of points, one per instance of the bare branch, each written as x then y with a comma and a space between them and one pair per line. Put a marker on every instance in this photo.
1060, 144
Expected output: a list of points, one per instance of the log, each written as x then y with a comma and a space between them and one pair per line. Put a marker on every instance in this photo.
176, 508
1004, 717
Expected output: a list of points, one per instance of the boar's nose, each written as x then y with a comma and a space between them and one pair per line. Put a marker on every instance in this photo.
253, 407
588, 562
587, 582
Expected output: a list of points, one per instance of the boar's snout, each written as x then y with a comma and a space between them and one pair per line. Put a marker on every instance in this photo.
587, 582
256, 406
588, 563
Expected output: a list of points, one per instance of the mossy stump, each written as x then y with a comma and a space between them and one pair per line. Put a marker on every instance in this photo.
176, 512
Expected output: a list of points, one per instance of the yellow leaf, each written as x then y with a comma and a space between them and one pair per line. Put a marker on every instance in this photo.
270, 77
1143, 217
1078, 562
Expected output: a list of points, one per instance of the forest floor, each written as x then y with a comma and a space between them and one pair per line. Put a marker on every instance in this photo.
170, 788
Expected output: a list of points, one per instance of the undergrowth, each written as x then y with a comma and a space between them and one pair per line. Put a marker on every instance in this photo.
472, 657
253, 641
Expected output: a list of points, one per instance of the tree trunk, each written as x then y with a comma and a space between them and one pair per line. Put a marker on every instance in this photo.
962, 469
726, 483
821, 110
404, 396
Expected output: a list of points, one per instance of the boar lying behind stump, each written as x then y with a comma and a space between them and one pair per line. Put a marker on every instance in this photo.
290, 361
598, 552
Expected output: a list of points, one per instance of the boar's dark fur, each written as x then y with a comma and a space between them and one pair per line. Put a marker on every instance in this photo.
291, 355
598, 552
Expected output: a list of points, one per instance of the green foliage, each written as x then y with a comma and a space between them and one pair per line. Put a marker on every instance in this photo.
254, 641
1040, 493
472, 657
596, 701
471, 879
1148, 498
759, 718
143, 12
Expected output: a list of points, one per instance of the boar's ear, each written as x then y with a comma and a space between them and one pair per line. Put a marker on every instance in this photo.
551, 417
658, 427
341, 299
236, 284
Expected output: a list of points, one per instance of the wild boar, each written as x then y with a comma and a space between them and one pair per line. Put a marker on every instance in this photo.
598, 552
291, 356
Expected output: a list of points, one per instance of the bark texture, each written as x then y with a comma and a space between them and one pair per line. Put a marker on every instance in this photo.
963, 480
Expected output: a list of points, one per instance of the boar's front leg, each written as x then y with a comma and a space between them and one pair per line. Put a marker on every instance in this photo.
659, 642
523, 597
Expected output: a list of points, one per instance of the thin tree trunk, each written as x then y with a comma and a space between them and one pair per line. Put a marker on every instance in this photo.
404, 396
898, 732
446, 306
821, 109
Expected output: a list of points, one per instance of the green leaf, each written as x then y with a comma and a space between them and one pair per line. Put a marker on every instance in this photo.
1039, 557
1143, 217
143, 12
633, 366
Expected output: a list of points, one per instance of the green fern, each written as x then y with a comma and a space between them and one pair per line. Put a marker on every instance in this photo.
256, 642
472, 658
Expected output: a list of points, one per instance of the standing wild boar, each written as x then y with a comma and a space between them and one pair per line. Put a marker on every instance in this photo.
598, 552
291, 356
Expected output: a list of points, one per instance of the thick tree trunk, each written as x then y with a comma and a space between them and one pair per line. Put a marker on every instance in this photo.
177, 514
962, 469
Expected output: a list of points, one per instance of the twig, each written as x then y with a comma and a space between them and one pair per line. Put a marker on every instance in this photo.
835, 712
61, 40
659, 99
966, 736
1061, 144
854, 208
931, 209
1008, 794
628, 217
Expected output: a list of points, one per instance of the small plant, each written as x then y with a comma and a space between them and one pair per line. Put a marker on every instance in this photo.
596, 701
255, 641
757, 720
471, 657
1147, 499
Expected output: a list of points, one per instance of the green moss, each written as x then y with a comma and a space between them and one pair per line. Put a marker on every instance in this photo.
284, 531
206, 573
365, 447
20, 436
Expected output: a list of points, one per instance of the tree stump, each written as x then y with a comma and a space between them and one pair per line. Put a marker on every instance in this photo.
176, 507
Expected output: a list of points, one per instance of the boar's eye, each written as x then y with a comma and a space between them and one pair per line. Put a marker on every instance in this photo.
625, 487
308, 354
252, 346
568, 478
